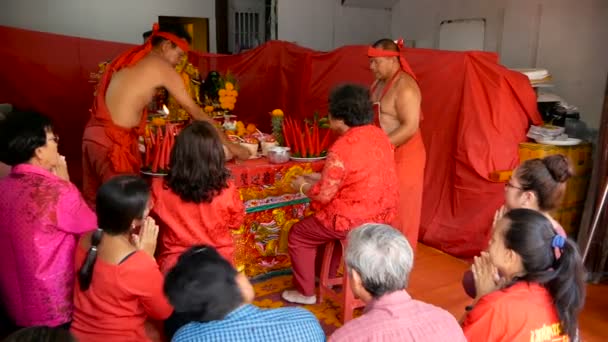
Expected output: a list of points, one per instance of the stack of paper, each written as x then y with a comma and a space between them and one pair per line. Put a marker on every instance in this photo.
547, 133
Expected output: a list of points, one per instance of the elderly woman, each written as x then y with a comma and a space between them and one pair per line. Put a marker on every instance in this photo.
379, 260
41, 216
357, 185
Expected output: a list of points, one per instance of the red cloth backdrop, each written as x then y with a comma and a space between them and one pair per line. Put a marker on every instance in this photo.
475, 110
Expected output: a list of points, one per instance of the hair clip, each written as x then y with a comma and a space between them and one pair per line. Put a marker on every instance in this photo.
558, 241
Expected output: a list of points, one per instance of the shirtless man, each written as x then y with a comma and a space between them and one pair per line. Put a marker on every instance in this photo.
396, 97
118, 118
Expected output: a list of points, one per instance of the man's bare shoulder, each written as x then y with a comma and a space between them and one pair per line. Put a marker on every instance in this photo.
407, 85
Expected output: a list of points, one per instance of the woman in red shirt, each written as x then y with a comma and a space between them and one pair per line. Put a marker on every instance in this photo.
197, 203
544, 291
358, 185
119, 285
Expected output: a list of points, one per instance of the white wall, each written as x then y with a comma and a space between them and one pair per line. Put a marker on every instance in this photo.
326, 24
113, 20
568, 37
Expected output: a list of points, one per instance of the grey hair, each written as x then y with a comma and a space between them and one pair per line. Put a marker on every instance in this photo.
382, 257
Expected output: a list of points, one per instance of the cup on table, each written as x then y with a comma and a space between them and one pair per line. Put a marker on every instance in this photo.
266, 145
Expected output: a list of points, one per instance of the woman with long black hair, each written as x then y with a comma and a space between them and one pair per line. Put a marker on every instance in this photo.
542, 290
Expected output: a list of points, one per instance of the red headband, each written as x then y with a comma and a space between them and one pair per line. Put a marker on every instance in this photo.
375, 52
181, 43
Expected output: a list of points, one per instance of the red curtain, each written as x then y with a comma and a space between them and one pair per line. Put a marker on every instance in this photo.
475, 110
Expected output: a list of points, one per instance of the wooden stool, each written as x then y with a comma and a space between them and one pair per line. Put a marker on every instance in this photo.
345, 297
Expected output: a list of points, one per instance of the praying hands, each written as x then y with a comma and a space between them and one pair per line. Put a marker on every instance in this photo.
486, 275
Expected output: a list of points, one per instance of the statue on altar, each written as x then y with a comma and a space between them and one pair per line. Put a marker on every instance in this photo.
192, 82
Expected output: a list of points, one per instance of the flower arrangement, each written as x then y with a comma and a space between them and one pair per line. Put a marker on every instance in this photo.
277, 116
220, 94
227, 96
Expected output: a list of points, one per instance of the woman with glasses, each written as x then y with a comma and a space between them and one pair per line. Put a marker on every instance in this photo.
119, 285
537, 184
42, 215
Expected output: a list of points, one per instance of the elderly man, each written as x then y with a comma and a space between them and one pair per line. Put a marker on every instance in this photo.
379, 260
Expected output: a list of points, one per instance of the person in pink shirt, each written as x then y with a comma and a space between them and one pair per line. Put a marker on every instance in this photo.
379, 260
41, 216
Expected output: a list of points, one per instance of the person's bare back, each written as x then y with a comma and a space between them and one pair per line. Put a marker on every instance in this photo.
131, 89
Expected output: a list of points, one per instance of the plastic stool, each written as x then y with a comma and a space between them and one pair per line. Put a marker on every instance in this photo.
326, 283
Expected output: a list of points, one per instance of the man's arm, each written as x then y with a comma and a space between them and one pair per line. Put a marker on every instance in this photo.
407, 107
175, 85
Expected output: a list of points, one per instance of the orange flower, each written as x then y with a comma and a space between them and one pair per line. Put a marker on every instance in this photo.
277, 112
251, 128
222, 92
229, 86
208, 109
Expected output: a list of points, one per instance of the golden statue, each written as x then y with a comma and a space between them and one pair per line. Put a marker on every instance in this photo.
191, 77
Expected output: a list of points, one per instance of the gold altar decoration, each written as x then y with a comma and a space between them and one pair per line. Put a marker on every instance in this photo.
191, 78
280, 187
261, 242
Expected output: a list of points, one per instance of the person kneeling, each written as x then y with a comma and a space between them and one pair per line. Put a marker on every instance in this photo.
379, 260
208, 292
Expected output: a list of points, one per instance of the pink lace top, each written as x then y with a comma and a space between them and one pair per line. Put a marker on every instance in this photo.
41, 216
359, 181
